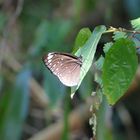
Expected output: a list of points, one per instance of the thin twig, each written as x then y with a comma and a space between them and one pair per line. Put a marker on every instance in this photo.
113, 29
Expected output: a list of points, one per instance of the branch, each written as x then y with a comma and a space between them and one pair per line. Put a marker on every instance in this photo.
113, 29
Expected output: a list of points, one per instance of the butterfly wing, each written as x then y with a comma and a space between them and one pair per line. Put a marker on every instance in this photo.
64, 66
70, 73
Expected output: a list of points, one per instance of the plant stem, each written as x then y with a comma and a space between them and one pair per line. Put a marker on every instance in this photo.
113, 29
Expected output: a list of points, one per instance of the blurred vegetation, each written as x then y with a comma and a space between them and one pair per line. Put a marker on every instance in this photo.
33, 103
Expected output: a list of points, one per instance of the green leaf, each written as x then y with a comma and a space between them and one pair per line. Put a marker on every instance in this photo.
136, 23
13, 108
86, 87
119, 69
99, 65
117, 35
81, 38
107, 46
87, 52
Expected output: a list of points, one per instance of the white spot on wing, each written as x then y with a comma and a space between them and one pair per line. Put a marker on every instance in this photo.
49, 60
50, 56
54, 65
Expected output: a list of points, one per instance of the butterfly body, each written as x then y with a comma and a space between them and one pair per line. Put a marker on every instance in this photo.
65, 66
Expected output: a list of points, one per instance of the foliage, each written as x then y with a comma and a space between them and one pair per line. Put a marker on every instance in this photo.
30, 29
119, 68
136, 23
87, 52
81, 38
119, 34
14, 107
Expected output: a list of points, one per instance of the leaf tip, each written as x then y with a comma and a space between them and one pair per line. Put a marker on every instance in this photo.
72, 94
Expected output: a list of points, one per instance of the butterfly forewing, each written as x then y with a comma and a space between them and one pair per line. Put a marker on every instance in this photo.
65, 66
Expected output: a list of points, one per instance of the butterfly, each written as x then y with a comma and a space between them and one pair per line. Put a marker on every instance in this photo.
65, 66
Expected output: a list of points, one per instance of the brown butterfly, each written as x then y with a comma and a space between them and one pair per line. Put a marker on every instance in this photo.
65, 66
